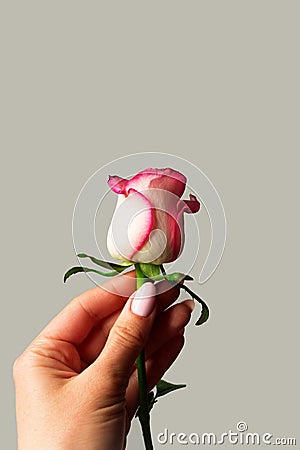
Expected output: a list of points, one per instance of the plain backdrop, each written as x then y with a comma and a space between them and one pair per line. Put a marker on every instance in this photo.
217, 83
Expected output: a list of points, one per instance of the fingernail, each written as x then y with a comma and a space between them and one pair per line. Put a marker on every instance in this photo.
144, 300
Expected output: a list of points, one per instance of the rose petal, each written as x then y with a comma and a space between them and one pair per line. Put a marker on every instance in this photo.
192, 205
166, 179
167, 236
117, 184
131, 225
169, 180
174, 233
154, 248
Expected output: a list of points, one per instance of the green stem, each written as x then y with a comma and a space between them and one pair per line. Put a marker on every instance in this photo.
162, 269
143, 415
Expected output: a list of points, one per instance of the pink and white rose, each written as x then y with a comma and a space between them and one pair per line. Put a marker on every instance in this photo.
147, 225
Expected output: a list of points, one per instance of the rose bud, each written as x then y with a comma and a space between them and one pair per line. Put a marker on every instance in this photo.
147, 225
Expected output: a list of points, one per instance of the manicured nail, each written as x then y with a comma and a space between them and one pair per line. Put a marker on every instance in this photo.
144, 300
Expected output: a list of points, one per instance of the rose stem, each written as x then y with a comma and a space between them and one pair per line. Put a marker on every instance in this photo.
162, 269
144, 415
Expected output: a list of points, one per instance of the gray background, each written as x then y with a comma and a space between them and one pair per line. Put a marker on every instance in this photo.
214, 82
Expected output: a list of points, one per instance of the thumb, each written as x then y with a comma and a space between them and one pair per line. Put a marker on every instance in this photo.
127, 337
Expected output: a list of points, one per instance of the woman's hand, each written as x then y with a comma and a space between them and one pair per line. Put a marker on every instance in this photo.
76, 383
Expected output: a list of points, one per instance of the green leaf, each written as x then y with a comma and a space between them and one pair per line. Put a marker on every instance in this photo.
174, 278
106, 264
204, 314
177, 277
78, 269
150, 270
125, 263
164, 387
205, 310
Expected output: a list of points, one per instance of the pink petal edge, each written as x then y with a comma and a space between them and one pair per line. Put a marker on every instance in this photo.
150, 178
190, 206
193, 204
147, 223
117, 184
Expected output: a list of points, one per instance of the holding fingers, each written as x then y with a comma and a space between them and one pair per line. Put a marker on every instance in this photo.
77, 380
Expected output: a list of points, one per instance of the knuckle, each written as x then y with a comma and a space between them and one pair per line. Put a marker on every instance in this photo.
128, 336
18, 365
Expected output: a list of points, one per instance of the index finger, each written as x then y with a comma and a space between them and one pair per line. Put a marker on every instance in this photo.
74, 323
76, 320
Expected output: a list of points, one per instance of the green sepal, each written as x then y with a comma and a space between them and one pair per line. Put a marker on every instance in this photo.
175, 277
107, 265
149, 270
164, 387
152, 271
205, 310
78, 269
204, 315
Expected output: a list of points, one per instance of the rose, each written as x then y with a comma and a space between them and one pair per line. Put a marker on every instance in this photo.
147, 230
147, 225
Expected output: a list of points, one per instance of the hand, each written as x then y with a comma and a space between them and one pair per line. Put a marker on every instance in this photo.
76, 383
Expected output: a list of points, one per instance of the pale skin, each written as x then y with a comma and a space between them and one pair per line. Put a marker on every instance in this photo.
76, 383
